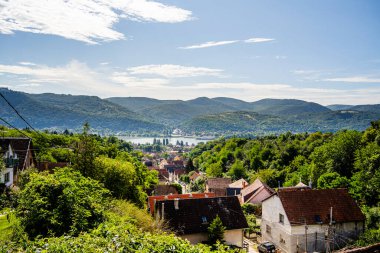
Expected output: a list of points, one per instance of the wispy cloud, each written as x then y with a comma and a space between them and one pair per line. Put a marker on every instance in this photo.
211, 44
90, 21
26, 63
280, 57
258, 40
174, 71
354, 79
225, 42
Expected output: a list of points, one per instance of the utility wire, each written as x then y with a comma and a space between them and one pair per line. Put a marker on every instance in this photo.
9, 124
6, 100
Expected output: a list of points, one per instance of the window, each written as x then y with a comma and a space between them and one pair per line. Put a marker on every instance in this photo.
204, 219
268, 229
281, 218
6, 177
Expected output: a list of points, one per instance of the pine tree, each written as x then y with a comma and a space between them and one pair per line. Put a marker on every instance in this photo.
216, 231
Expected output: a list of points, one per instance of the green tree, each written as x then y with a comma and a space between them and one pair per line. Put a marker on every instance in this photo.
331, 180
214, 170
61, 203
215, 231
365, 183
237, 171
87, 149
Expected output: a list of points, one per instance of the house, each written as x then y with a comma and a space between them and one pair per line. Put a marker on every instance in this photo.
191, 217
17, 154
165, 189
236, 187
321, 219
153, 199
218, 185
256, 192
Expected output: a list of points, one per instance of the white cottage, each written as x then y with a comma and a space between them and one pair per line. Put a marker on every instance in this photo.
190, 218
17, 155
320, 219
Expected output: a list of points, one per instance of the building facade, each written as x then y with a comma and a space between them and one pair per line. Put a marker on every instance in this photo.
302, 219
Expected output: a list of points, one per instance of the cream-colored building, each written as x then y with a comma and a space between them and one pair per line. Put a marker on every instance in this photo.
320, 219
190, 218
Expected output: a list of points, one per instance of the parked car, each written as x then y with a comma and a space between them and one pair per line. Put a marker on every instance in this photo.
266, 247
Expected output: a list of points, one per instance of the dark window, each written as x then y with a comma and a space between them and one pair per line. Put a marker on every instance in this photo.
6, 177
281, 218
268, 229
204, 219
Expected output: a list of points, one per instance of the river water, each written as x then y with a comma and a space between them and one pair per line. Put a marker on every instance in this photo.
172, 140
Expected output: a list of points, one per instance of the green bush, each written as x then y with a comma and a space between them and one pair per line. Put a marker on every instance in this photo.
61, 203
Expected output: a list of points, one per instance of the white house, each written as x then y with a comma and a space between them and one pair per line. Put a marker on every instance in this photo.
320, 219
17, 155
191, 217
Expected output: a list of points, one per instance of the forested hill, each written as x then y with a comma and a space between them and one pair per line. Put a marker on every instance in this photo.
66, 111
197, 116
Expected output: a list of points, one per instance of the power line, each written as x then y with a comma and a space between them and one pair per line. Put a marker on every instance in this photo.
9, 124
6, 100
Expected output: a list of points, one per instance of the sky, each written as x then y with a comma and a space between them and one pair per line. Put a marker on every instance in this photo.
325, 51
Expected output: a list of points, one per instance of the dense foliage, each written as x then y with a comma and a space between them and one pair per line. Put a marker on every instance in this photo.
64, 202
346, 159
95, 205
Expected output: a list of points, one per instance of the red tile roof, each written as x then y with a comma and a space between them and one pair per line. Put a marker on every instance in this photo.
313, 206
218, 183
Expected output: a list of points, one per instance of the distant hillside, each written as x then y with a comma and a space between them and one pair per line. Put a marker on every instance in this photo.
66, 111
138, 103
175, 112
240, 105
367, 108
338, 107
222, 115
287, 107
235, 122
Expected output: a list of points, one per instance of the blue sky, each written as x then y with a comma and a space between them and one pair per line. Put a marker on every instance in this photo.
325, 51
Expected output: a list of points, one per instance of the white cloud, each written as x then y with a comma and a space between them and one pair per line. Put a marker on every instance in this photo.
226, 42
26, 63
131, 81
173, 71
354, 79
210, 44
104, 63
77, 78
258, 40
90, 21
280, 57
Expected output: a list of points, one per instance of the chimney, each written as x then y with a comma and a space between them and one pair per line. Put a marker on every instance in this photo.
310, 184
176, 204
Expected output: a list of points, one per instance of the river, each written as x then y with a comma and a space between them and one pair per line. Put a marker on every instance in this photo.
172, 140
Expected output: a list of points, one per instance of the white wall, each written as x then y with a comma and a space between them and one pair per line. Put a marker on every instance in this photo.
280, 233
234, 237
231, 237
287, 237
10, 171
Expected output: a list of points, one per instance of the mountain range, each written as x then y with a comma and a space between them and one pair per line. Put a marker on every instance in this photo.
204, 115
